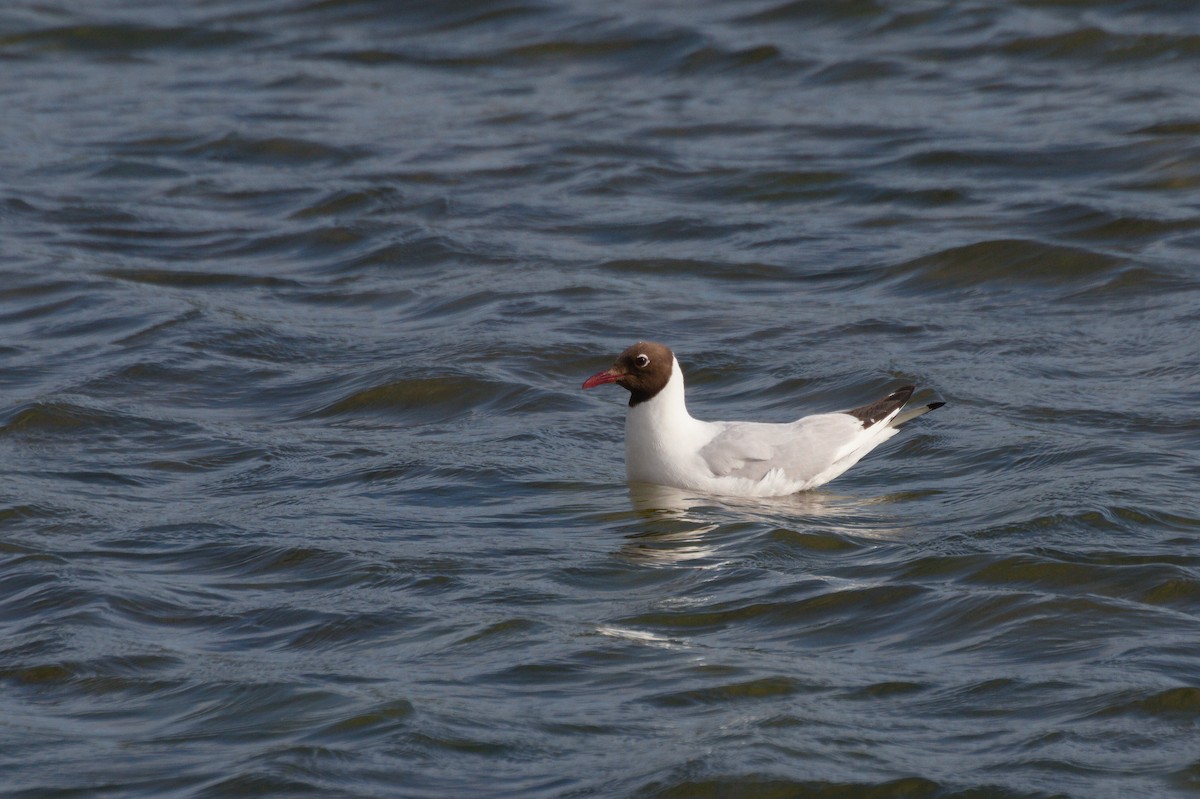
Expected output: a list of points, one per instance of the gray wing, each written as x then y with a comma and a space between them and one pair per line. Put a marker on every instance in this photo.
801, 450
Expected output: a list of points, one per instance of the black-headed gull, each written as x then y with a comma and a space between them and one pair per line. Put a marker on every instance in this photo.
665, 445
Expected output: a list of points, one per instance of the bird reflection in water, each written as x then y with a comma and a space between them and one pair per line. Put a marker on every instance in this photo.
672, 525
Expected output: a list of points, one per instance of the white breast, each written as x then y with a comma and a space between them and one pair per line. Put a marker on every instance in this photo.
663, 441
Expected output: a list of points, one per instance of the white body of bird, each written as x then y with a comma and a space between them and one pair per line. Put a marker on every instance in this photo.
665, 445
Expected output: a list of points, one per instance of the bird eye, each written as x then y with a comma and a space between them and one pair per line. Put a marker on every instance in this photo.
642, 361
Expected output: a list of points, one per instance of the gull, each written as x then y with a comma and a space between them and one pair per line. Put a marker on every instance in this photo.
666, 446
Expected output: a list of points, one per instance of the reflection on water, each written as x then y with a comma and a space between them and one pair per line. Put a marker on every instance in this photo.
672, 526
663, 547
675, 525
649, 499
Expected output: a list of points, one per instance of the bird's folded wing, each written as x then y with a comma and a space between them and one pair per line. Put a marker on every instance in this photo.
739, 450
801, 450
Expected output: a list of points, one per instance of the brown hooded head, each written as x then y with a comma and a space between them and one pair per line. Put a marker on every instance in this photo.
643, 370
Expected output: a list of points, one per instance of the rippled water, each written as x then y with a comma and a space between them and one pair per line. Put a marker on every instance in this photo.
301, 495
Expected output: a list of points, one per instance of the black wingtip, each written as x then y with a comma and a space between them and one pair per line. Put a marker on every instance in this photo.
933, 406
870, 414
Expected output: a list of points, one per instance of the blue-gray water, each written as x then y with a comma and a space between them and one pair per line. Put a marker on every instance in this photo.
300, 496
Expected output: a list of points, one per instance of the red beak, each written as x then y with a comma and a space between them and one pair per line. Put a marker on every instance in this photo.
600, 378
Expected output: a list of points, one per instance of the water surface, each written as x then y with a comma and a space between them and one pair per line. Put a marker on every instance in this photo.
300, 494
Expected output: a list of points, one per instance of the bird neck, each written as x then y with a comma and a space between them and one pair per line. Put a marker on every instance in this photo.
662, 438
666, 411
